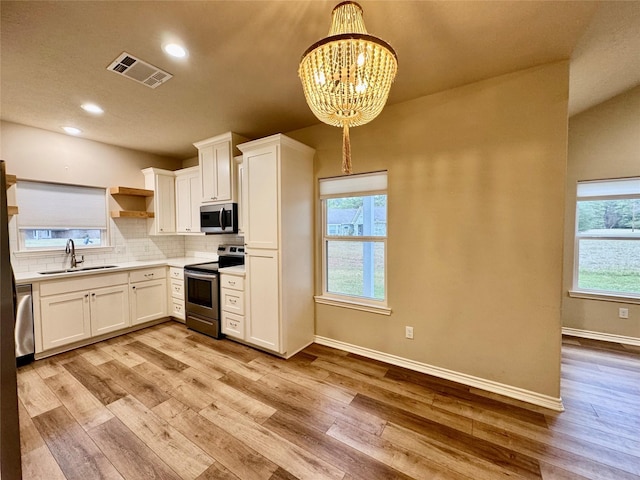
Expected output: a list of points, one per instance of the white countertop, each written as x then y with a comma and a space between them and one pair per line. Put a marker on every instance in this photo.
180, 262
237, 270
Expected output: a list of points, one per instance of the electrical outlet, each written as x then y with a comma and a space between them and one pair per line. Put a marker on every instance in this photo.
623, 312
408, 332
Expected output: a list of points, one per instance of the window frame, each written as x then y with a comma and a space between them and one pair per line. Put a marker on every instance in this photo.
351, 301
592, 293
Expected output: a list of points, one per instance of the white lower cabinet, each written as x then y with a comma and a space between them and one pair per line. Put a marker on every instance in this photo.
176, 290
263, 299
109, 309
81, 308
65, 319
232, 305
74, 309
148, 294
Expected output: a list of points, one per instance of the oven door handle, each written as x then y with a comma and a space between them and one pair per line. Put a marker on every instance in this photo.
201, 276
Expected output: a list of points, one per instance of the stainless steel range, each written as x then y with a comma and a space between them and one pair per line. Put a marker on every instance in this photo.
201, 285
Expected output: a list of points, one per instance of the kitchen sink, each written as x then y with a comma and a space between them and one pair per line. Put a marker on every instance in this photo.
73, 270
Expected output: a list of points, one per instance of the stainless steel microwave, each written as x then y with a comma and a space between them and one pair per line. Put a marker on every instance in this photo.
221, 218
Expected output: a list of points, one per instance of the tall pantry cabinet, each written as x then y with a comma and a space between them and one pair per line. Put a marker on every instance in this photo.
277, 193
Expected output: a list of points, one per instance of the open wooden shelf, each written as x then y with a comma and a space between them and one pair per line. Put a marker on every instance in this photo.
10, 181
135, 192
130, 192
130, 214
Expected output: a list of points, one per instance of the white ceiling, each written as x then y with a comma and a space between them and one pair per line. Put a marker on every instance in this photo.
241, 73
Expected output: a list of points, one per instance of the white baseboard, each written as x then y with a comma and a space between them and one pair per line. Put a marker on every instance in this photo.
469, 380
605, 337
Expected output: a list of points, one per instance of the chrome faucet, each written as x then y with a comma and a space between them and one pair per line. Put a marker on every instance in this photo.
71, 248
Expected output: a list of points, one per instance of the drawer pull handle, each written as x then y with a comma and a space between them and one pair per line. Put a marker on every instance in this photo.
232, 283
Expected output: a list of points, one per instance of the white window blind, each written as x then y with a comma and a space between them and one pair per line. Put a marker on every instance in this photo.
58, 206
353, 184
607, 188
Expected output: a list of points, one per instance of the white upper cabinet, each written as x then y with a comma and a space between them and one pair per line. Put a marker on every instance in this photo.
188, 200
261, 182
217, 170
163, 202
242, 196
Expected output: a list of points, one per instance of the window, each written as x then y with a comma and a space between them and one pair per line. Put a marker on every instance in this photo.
354, 239
52, 213
607, 246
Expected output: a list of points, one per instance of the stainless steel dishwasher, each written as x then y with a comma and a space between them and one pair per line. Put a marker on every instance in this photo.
25, 345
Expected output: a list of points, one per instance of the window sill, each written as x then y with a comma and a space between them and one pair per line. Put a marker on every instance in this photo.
365, 307
607, 297
60, 251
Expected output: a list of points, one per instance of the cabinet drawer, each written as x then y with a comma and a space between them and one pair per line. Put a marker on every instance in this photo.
177, 289
232, 301
232, 325
147, 274
177, 273
231, 281
177, 309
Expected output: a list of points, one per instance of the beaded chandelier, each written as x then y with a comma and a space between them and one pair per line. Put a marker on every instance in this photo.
347, 76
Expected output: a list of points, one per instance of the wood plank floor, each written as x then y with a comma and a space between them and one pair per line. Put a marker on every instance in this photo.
169, 403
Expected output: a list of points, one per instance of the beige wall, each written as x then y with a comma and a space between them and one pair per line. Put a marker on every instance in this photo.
476, 196
604, 142
36, 154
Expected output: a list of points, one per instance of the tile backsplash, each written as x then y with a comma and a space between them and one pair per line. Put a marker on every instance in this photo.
130, 242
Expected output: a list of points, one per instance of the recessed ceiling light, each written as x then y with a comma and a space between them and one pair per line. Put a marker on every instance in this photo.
175, 50
92, 108
72, 130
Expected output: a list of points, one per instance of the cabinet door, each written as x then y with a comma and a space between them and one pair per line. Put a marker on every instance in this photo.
65, 319
183, 204
262, 300
194, 201
109, 309
242, 199
188, 203
148, 301
261, 187
165, 204
215, 172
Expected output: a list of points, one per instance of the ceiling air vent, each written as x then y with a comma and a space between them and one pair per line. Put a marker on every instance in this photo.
142, 72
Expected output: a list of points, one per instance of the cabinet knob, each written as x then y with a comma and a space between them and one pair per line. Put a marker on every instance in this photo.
134, 287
